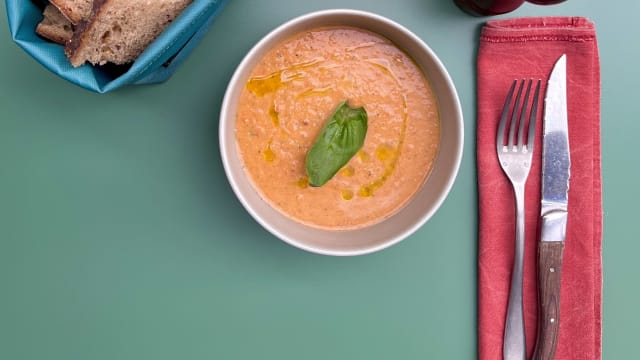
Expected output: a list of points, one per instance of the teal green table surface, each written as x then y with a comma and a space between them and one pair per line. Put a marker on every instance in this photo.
120, 237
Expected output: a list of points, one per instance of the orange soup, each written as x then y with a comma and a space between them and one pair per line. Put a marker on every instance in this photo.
292, 92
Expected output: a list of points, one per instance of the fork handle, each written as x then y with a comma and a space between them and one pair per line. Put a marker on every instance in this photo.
549, 271
514, 347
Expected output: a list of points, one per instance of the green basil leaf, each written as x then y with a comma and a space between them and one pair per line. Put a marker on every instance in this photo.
339, 140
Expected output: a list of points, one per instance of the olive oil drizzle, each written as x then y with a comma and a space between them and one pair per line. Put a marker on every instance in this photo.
388, 155
314, 92
268, 154
265, 84
273, 114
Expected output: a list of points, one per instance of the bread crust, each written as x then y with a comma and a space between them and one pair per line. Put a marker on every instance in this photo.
74, 10
54, 26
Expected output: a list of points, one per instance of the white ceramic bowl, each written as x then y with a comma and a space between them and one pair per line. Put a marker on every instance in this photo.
420, 208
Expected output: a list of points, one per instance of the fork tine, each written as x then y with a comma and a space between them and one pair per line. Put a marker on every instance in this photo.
523, 115
503, 119
514, 118
532, 122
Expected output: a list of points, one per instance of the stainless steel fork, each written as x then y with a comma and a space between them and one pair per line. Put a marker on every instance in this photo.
514, 154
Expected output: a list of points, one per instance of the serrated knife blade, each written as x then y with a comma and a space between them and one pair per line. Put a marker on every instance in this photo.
556, 167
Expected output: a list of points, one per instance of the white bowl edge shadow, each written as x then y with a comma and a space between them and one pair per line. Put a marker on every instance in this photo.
423, 204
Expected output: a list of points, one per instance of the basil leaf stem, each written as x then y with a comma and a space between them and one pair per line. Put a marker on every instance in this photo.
339, 140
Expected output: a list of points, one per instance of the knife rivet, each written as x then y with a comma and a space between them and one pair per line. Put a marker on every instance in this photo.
552, 270
552, 320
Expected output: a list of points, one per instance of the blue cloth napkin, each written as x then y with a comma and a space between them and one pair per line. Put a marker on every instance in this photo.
156, 64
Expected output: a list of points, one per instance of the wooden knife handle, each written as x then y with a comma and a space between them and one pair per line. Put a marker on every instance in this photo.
549, 271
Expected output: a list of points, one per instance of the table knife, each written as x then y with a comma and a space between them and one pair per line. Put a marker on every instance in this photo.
556, 166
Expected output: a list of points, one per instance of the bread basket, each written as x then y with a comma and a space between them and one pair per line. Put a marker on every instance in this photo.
155, 65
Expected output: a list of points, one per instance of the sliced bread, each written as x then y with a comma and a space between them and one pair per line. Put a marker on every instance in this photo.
54, 26
119, 30
74, 10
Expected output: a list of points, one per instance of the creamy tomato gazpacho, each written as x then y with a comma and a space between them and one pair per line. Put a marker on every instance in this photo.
293, 91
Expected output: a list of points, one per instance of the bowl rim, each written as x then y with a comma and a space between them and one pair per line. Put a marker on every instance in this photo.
284, 29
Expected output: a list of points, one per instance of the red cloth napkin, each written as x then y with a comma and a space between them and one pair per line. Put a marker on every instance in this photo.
528, 48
